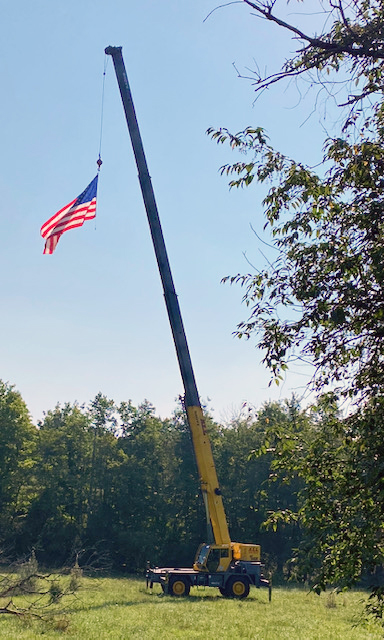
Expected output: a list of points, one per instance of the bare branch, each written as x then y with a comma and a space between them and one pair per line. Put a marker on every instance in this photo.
221, 6
318, 43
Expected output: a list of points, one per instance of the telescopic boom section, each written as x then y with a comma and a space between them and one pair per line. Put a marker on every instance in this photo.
205, 463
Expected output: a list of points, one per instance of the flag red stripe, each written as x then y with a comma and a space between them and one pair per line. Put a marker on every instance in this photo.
51, 243
74, 217
55, 218
59, 224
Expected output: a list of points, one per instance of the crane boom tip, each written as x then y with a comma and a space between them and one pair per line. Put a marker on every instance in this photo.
111, 50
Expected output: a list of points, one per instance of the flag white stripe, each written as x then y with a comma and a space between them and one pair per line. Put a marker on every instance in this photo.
71, 217
55, 219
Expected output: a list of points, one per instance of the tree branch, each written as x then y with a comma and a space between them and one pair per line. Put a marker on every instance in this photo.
330, 47
7, 609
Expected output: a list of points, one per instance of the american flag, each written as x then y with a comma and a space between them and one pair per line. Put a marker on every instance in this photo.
72, 215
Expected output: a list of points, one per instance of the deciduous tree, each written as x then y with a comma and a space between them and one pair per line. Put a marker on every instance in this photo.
322, 298
17, 458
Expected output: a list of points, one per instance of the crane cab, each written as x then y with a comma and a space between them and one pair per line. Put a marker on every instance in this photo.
213, 558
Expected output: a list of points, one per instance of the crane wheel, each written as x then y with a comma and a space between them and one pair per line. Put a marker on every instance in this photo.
237, 588
179, 587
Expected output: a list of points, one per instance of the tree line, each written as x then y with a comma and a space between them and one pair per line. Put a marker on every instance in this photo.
118, 482
117, 485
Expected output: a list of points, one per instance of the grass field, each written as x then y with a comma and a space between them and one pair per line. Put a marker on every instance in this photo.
122, 608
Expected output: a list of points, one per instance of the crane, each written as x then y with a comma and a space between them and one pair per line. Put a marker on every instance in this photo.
219, 562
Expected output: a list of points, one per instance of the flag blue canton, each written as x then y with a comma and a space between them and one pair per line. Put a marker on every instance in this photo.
88, 194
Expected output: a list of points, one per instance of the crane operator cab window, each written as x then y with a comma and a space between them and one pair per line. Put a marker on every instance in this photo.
209, 558
213, 560
202, 556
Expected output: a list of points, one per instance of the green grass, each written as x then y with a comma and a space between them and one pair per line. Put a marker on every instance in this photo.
122, 608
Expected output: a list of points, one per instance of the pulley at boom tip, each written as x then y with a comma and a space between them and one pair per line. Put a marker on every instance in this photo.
109, 51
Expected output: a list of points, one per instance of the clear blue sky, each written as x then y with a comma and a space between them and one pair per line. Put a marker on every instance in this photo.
92, 317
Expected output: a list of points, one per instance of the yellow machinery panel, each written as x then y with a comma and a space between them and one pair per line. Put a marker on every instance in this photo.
249, 552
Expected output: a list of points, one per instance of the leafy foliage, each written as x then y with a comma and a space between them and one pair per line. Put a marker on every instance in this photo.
329, 272
340, 500
321, 300
17, 456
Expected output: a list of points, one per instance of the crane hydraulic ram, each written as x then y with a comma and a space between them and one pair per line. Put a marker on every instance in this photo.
230, 566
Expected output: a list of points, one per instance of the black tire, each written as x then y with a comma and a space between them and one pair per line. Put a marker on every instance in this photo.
237, 588
179, 587
223, 591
